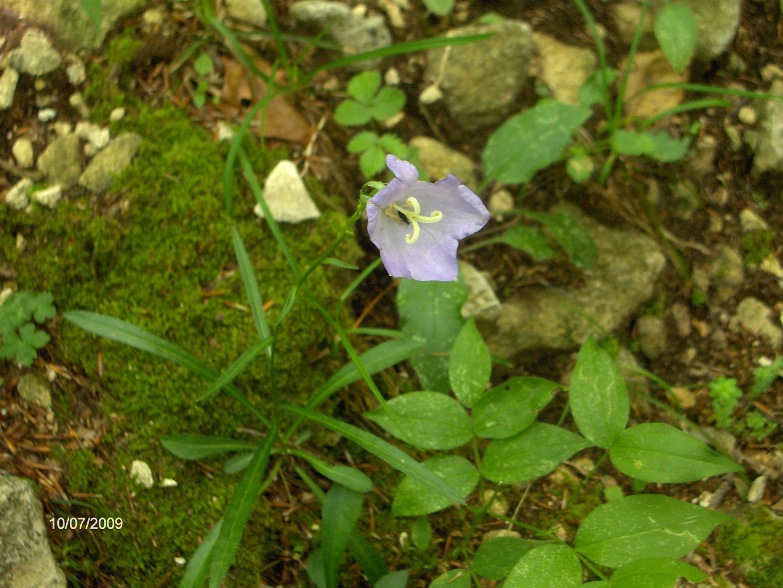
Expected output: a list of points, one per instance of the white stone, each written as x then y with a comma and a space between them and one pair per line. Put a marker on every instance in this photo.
94, 134
117, 114
75, 70
35, 54
46, 114
23, 152
757, 488
141, 474
286, 196
249, 11
8, 87
168, 483
49, 196
17, 195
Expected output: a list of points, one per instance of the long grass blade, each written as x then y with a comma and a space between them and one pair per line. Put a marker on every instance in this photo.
251, 286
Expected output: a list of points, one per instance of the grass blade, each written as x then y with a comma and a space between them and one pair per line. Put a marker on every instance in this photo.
251, 287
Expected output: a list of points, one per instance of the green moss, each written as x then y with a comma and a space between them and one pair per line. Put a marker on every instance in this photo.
758, 244
147, 253
754, 541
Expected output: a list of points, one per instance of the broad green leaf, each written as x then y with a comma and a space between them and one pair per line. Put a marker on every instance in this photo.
345, 476
189, 446
393, 456
675, 29
496, 557
572, 236
510, 408
350, 113
398, 579
452, 579
421, 533
536, 451
372, 562
427, 420
238, 512
592, 91
643, 526
341, 510
632, 142
597, 395
654, 572
667, 148
530, 240
387, 103
380, 357
413, 498
362, 142
364, 85
439, 7
656, 452
548, 566
430, 313
544, 131
469, 365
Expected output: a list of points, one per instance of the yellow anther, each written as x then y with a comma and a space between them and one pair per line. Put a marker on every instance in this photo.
410, 214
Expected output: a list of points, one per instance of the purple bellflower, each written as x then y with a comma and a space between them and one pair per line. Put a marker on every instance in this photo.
417, 225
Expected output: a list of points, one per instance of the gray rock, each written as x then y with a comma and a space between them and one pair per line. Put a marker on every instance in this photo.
481, 81
61, 161
754, 316
114, 158
286, 196
769, 142
726, 272
8, 83
439, 160
17, 195
249, 11
483, 303
34, 390
652, 336
356, 34
68, 21
49, 196
563, 68
625, 271
23, 152
25, 560
35, 54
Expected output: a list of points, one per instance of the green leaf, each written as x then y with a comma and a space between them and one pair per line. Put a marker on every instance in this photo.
334, 262
597, 395
413, 498
510, 408
393, 144
654, 572
192, 446
421, 533
251, 287
656, 452
236, 368
363, 86
659, 146
238, 512
375, 359
439, 7
387, 103
667, 148
42, 306
452, 579
580, 167
372, 161
592, 91
430, 313
94, 12
676, 31
544, 130
548, 566
427, 420
398, 579
203, 64
33, 337
469, 365
373, 564
341, 510
198, 566
350, 113
345, 476
496, 557
642, 526
530, 240
536, 451
362, 142
396, 458
571, 235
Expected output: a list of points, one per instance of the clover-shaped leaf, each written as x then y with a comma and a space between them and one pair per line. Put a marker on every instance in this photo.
366, 102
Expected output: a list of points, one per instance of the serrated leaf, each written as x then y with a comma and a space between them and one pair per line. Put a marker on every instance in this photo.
351, 113
530, 240
469, 365
544, 130
548, 566
428, 420
387, 103
642, 526
654, 572
364, 85
413, 498
362, 142
33, 337
676, 30
571, 235
656, 452
597, 395
496, 557
430, 313
511, 407
535, 452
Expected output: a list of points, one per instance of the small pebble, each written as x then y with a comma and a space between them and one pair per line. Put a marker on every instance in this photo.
117, 114
46, 114
747, 115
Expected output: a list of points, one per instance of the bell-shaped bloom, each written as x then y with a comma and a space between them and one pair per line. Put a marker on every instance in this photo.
417, 225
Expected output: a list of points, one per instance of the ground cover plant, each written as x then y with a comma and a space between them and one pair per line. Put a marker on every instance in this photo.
432, 454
